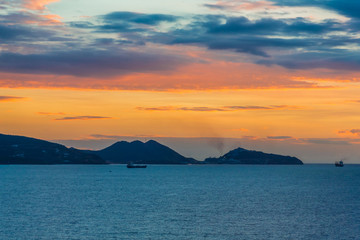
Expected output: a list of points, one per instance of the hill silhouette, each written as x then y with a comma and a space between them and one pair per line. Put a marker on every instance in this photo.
244, 156
150, 152
25, 150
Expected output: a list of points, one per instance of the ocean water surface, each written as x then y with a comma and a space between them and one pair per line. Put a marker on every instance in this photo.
179, 202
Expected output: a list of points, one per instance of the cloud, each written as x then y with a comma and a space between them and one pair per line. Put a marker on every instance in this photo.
21, 29
322, 141
10, 98
307, 141
355, 131
144, 54
269, 26
279, 137
19, 33
202, 109
140, 18
193, 77
28, 18
102, 136
350, 8
240, 5
82, 118
221, 32
255, 37
216, 6
126, 22
262, 37
343, 60
83, 63
172, 108
271, 107
81, 25
352, 132
35, 11
215, 109
335, 141
37, 4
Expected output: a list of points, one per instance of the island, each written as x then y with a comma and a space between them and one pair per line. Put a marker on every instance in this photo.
25, 150
244, 156
150, 152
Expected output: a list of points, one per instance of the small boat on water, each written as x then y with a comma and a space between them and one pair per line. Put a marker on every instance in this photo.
339, 164
131, 165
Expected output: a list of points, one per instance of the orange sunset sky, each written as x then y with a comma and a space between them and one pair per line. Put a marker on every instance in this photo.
200, 76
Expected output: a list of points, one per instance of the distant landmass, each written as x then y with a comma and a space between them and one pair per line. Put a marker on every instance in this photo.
150, 152
244, 156
25, 150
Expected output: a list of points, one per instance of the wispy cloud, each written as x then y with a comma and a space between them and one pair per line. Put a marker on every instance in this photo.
335, 141
355, 131
88, 64
279, 137
37, 4
82, 118
271, 107
35, 11
28, 18
321, 141
216, 6
307, 141
173, 108
348, 8
351, 132
240, 5
138, 18
103, 136
216, 109
10, 98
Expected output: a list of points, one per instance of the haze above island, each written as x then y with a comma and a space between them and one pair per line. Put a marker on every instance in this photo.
202, 77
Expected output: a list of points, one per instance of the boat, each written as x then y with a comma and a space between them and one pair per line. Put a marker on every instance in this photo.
339, 164
131, 165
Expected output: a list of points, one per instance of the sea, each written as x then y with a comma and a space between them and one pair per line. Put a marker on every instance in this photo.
221, 202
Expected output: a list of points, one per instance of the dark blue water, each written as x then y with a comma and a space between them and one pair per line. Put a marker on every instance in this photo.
180, 202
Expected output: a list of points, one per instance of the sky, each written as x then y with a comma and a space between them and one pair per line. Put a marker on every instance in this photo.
201, 76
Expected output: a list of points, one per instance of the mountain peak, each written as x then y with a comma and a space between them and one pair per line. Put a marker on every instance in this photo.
240, 149
150, 152
152, 142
